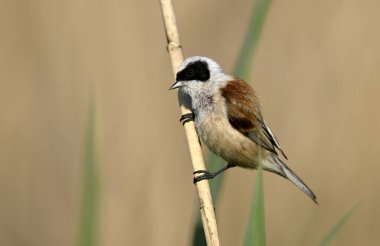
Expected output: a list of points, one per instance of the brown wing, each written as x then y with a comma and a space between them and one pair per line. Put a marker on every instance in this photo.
244, 115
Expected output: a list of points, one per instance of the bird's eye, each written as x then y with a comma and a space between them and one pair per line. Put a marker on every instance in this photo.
190, 73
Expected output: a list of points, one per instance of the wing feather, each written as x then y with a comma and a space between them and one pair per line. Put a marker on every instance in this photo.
244, 115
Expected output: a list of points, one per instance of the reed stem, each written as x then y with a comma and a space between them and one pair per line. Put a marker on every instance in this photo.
203, 188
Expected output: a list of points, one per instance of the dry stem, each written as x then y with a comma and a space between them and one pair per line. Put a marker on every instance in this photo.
204, 194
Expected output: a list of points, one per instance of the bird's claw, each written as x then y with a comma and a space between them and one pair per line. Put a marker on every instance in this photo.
206, 175
186, 118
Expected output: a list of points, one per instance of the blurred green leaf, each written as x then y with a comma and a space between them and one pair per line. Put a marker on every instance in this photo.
337, 227
244, 61
255, 234
242, 69
88, 217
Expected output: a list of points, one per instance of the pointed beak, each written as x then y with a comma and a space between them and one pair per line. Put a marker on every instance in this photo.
176, 85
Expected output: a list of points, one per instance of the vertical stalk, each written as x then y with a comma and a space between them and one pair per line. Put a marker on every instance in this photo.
203, 188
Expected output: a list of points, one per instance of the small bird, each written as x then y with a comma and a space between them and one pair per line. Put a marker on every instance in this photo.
229, 121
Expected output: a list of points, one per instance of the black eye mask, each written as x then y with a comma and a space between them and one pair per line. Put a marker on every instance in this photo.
194, 71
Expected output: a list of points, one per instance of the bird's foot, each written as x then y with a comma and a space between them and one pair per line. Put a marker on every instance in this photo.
186, 118
206, 175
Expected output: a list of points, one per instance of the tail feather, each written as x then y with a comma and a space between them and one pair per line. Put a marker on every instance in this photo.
283, 170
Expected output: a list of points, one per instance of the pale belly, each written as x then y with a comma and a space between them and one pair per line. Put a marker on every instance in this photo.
222, 139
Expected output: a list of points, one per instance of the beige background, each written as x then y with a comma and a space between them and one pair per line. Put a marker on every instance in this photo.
316, 70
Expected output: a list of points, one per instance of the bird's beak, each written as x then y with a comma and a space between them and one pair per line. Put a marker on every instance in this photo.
176, 85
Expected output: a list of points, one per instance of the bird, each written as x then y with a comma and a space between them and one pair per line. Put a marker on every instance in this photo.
229, 121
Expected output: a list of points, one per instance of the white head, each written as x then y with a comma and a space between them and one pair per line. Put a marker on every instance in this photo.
198, 74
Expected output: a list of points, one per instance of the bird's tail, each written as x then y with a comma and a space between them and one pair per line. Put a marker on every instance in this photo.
282, 169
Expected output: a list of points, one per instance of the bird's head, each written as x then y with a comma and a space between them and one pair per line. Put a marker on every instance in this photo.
198, 74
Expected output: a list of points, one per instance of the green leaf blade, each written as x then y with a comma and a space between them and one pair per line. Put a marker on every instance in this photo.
256, 24
330, 236
255, 233
88, 217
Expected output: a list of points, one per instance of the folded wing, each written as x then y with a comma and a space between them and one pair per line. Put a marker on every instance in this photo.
243, 111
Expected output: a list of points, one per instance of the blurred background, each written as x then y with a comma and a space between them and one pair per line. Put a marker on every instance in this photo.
316, 69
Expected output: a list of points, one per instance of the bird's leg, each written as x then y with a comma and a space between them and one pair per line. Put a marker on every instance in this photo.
186, 118
207, 175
